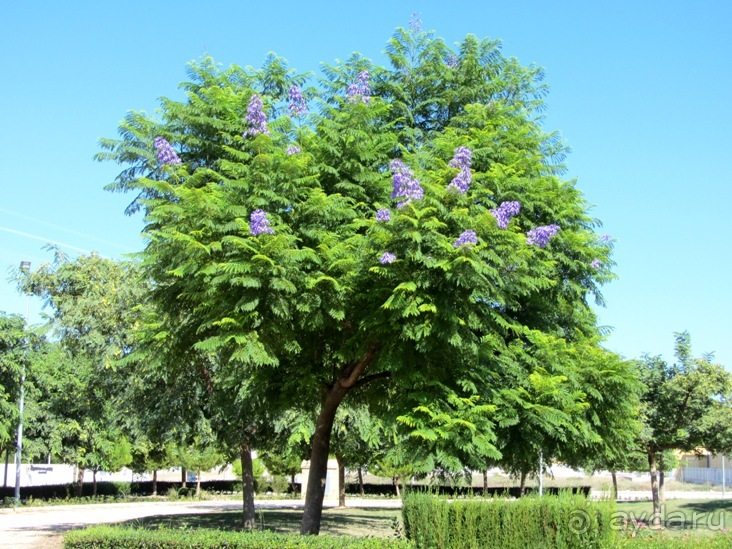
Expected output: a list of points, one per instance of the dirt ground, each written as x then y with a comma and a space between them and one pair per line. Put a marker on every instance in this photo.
44, 527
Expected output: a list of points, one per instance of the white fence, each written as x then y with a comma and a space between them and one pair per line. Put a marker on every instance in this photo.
705, 475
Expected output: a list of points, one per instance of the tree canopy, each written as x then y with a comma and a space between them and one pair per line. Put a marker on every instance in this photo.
405, 227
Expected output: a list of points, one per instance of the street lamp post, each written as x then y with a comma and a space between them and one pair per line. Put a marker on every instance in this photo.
24, 267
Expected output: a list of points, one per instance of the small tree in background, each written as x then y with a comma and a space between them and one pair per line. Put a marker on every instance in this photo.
683, 408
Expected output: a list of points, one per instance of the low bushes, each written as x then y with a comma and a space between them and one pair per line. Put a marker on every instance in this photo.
109, 537
561, 521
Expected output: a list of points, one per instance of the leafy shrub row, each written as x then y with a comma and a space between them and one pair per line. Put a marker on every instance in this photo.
116, 537
562, 521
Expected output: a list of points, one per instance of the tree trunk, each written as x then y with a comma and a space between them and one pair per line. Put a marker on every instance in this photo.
661, 479
522, 483
360, 481
198, 484
315, 491
396, 485
615, 484
183, 477
94, 482
485, 483
247, 478
341, 481
7, 462
292, 483
653, 470
155, 483
79, 480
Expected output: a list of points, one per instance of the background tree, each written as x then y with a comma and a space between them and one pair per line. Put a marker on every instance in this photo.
681, 405
93, 309
406, 235
13, 356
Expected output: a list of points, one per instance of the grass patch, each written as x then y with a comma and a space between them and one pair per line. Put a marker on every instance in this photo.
680, 517
374, 522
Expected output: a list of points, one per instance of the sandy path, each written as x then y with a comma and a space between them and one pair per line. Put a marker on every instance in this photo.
43, 527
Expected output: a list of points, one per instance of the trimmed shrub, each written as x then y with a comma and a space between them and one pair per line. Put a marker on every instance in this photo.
116, 537
562, 521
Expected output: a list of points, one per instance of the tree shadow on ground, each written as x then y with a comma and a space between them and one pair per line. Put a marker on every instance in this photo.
339, 522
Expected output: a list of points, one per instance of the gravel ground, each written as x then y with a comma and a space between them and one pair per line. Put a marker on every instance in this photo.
43, 527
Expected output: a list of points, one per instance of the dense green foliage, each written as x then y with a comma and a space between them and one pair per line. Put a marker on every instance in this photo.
115, 537
13, 347
93, 306
685, 406
563, 521
277, 279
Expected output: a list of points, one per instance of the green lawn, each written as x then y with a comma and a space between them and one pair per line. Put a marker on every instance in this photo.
697, 517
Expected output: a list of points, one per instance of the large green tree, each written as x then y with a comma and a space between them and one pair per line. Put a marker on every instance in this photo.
405, 231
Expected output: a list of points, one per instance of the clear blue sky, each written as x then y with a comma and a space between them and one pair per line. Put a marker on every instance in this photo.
639, 90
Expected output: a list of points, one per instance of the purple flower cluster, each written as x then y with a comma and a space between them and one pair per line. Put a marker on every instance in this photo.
166, 154
258, 223
505, 212
404, 184
467, 237
595, 263
606, 237
360, 90
383, 215
256, 119
293, 149
387, 258
461, 182
297, 102
451, 61
463, 158
540, 236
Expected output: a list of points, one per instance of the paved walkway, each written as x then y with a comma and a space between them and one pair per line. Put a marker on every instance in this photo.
43, 527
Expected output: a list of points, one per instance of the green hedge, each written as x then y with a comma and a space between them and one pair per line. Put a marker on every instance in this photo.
561, 521
117, 537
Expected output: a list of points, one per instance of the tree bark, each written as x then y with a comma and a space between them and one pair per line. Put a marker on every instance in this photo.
653, 470
615, 484
7, 462
485, 483
360, 481
183, 477
661, 479
247, 477
341, 481
155, 483
313, 507
94, 482
315, 491
79, 480
522, 483
396, 485
198, 484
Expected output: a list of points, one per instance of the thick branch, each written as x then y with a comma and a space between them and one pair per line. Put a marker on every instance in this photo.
354, 370
372, 377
